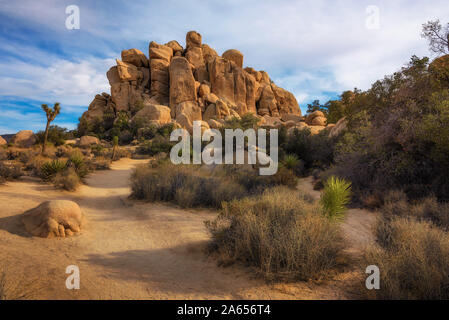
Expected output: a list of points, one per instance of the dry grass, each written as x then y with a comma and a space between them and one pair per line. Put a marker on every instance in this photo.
200, 186
413, 258
186, 186
280, 233
426, 209
67, 180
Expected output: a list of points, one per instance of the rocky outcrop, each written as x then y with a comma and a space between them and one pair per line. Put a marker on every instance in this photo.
338, 128
193, 82
155, 114
86, 141
316, 118
2, 141
24, 139
57, 218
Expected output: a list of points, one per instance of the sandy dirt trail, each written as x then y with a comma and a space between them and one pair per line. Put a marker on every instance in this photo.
133, 250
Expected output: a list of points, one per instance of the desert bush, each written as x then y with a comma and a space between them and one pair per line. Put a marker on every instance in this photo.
98, 163
50, 168
396, 204
254, 182
77, 162
316, 151
154, 146
10, 171
279, 233
336, 195
182, 185
413, 257
397, 135
67, 179
3, 153
56, 135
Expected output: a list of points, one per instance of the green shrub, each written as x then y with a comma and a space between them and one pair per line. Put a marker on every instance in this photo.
280, 233
291, 162
413, 258
50, 168
155, 146
315, 150
56, 135
336, 195
76, 161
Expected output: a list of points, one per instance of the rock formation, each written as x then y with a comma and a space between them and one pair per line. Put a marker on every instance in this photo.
24, 139
86, 141
2, 141
57, 218
176, 84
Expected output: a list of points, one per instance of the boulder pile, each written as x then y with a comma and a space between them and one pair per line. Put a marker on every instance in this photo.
182, 84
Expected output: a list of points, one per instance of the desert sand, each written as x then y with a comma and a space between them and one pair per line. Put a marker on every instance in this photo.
137, 250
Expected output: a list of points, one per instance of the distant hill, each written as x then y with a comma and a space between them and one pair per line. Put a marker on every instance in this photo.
7, 137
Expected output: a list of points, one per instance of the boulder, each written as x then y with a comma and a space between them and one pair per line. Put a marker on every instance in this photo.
157, 114
289, 124
24, 139
267, 103
204, 90
182, 82
186, 113
160, 51
135, 57
86, 141
339, 127
286, 101
2, 141
208, 53
316, 129
291, 117
318, 121
112, 75
234, 56
309, 118
56, 218
271, 122
214, 124
193, 39
127, 71
176, 47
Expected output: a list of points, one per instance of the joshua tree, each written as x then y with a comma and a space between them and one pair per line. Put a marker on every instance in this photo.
437, 35
51, 115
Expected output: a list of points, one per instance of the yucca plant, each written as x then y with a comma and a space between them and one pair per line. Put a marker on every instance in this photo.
50, 168
290, 161
336, 195
76, 161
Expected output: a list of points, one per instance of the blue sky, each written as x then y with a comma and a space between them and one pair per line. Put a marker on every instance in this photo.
316, 49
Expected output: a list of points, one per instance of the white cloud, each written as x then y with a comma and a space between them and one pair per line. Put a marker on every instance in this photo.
68, 82
309, 47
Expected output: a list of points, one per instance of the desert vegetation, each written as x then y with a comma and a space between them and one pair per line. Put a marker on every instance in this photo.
282, 234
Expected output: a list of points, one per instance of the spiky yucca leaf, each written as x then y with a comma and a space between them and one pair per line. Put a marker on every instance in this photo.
336, 195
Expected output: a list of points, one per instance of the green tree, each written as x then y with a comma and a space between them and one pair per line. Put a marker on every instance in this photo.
51, 115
